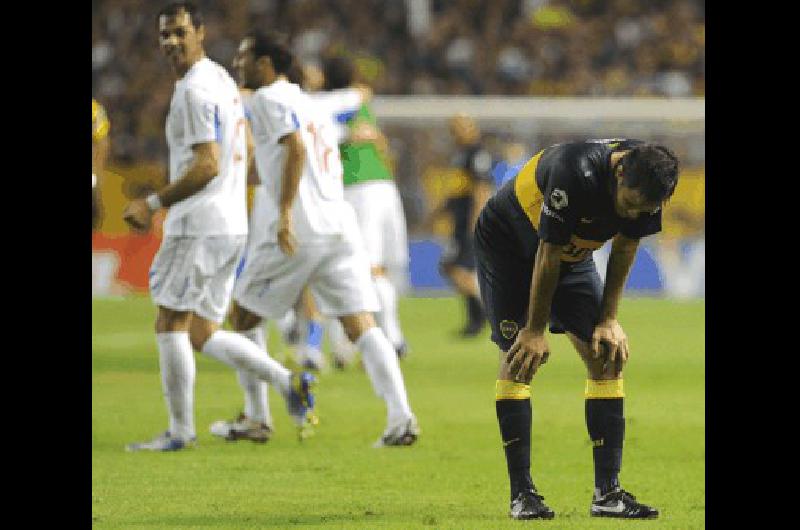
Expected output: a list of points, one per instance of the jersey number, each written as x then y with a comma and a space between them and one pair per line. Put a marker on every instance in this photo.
321, 150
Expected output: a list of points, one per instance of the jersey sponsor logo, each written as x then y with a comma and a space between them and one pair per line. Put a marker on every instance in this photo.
550, 213
559, 199
508, 328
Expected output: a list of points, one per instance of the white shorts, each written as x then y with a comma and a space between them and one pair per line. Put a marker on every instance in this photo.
337, 273
382, 222
196, 274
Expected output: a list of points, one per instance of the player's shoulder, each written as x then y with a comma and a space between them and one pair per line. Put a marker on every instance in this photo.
208, 78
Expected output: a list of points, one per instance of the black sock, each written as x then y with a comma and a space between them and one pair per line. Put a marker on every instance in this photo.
474, 308
605, 422
515, 418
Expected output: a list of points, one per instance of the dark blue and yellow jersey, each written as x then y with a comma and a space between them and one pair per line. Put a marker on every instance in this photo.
563, 195
475, 164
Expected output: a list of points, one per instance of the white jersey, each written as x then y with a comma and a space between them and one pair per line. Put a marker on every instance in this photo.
319, 211
206, 107
340, 105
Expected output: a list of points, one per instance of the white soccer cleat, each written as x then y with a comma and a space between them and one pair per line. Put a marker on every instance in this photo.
405, 433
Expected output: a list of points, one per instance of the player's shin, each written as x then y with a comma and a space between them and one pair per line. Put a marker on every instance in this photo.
383, 369
176, 360
235, 350
605, 422
256, 404
515, 416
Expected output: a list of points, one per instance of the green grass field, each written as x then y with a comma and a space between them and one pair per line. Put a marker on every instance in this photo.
453, 478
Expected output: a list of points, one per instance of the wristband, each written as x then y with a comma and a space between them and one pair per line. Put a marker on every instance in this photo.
153, 202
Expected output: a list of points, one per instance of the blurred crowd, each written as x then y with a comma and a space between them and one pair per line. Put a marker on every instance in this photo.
471, 47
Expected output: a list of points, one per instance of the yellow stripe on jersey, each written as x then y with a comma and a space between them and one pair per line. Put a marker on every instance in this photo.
603, 389
100, 123
527, 191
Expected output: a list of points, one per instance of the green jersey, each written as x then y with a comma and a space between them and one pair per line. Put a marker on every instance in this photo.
361, 161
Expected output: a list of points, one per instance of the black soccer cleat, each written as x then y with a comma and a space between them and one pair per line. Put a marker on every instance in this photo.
529, 505
621, 504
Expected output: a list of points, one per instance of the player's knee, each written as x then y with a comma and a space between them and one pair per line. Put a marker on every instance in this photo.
169, 321
378, 271
200, 331
241, 319
355, 325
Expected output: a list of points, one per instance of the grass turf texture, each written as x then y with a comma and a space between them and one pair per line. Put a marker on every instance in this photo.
453, 478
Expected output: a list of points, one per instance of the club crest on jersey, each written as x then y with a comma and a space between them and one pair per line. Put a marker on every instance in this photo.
558, 198
508, 328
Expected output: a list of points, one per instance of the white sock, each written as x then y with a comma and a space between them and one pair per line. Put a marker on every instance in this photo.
240, 353
383, 369
286, 324
387, 316
176, 359
256, 404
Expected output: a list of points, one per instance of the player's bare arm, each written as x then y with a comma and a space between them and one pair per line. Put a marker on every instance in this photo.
530, 349
252, 174
204, 167
608, 330
293, 168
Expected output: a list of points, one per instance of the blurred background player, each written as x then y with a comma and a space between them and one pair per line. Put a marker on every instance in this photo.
304, 231
458, 259
370, 188
192, 275
100, 150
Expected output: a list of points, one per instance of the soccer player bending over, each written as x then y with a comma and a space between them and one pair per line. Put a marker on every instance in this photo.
534, 243
191, 278
304, 233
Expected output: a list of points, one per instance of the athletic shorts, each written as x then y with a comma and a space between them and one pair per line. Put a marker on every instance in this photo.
381, 221
337, 273
196, 273
505, 267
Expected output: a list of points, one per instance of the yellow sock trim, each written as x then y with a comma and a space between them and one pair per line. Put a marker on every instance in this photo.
608, 389
511, 390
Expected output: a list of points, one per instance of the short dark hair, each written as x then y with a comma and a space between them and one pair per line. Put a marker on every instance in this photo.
174, 8
339, 72
651, 169
273, 45
296, 74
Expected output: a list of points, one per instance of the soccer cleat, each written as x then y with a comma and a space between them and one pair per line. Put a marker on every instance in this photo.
242, 429
162, 442
403, 434
619, 503
310, 358
528, 505
300, 403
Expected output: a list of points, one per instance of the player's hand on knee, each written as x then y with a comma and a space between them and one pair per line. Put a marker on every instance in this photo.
609, 341
529, 351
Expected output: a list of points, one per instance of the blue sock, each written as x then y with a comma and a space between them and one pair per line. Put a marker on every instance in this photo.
315, 331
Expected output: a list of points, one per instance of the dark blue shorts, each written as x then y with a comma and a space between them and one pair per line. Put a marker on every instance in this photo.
505, 267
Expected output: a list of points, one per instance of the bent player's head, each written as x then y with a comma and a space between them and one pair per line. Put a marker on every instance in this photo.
339, 73
464, 129
180, 35
261, 58
646, 177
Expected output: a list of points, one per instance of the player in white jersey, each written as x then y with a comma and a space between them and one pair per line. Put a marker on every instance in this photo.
370, 188
303, 232
205, 229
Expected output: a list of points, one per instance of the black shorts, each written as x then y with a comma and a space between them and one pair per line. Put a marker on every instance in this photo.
505, 266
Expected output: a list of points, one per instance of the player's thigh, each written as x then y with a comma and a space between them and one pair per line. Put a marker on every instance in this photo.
342, 284
271, 282
196, 274
394, 233
577, 301
504, 281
